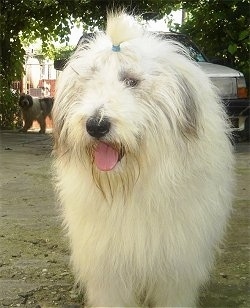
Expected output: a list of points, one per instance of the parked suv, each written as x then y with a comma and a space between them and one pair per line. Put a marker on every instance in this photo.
230, 82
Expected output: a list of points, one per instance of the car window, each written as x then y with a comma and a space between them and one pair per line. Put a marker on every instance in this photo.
193, 50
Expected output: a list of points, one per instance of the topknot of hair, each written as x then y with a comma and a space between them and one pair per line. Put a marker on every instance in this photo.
122, 27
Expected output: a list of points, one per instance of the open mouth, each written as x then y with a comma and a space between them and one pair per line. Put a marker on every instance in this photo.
107, 156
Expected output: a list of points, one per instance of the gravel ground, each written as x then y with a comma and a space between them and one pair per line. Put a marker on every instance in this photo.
34, 257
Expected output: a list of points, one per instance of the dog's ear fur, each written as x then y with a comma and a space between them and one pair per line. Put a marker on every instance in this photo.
183, 116
188, 122
22, 95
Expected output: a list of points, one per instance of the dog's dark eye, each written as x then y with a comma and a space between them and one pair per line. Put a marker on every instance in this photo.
131, 82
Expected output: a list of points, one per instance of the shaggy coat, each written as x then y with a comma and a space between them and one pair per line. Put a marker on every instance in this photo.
35, 109
143, 168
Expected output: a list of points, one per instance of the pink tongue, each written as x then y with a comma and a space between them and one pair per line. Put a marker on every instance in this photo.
106, 157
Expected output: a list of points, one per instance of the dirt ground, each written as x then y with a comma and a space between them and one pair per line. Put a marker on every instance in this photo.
34, 269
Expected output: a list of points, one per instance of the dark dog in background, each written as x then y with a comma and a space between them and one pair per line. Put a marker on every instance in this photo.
35, 109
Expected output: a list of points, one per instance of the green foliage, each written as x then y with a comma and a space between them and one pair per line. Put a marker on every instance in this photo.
63, 52
9, 111
11, 69
61, 55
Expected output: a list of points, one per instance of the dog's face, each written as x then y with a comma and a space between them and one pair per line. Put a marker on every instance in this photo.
116, 110
25, 101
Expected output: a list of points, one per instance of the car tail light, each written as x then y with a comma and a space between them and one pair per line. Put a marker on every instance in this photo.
241, 87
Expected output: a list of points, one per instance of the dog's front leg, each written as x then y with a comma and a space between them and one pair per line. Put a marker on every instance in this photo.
27, 125
42, 123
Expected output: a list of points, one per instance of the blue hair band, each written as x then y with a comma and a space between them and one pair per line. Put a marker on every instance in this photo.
116, 48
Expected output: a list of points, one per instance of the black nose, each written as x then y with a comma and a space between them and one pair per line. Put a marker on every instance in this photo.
97, 127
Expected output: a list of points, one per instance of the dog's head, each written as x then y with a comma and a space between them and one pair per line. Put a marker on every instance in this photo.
126, 98
25, 101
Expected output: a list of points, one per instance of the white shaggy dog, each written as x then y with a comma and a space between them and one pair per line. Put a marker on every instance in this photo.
143, 168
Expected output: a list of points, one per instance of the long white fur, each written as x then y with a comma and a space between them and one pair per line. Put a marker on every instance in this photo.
146, 232
125, 29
